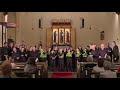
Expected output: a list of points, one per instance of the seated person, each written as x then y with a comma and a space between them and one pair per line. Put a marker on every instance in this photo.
31, 67
89, 58
108, 73
6, 70
99, 67
108, 61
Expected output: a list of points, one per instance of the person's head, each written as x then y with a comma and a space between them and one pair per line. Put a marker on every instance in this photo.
6, 68
68, 50
113, 43
60, 50
30, 49
14, 49
100, 62
34, 49
79, 47
52, 51
88, 47
16, 45
93, 47
56, 48
11, 44
5, 44
49, 49
102, 46
77, 50
31, 61
40, 47
22, 49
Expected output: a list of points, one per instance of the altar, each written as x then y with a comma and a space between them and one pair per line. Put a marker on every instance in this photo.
61, 34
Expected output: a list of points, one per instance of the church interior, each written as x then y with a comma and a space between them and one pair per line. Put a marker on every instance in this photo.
59, 45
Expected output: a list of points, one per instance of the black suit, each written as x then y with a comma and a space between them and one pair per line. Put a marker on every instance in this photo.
115, 53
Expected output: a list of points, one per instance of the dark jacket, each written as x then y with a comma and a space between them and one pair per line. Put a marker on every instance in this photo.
102, 53
115, 51
31, 69
16, 55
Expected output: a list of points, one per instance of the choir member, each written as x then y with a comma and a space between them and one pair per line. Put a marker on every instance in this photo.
81, 52
102, 52
10, 49
84, 55
88, 50
61, 60
74, 61
48, 57
28, 52
77, 55
94, 52
109, 51
5, 51
52, 60
56, 59
23, 57
65, 59
40, 44
34, 53
115, 52
15, 55
43, 56
69, 60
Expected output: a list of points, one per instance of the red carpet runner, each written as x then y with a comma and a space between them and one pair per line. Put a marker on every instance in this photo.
62, 75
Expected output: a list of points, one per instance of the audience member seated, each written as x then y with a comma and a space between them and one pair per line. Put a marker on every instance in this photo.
6, 70
108, 73
99, 67
89, 58
31, 67
108, 61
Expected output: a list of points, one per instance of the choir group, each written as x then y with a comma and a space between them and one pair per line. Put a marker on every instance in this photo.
60, 59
